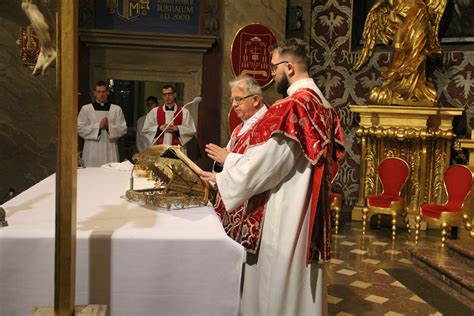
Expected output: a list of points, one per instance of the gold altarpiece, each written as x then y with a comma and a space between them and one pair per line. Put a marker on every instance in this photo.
422, 136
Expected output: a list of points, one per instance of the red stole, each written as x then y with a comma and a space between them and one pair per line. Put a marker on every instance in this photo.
235, 138
302, 118
161, 119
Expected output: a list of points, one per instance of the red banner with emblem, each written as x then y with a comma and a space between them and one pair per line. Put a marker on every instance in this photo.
250, 55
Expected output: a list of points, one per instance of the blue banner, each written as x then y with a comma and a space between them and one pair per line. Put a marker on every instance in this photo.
164, 16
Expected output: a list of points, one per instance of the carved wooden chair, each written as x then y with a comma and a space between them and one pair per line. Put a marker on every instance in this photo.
393, 173
335, 198
458, 180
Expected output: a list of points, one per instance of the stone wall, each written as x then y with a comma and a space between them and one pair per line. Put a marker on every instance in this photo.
27, 111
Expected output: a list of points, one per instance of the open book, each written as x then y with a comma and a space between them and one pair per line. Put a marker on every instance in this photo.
176, 153
174, 176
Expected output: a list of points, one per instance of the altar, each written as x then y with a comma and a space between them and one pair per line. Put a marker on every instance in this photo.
136, 260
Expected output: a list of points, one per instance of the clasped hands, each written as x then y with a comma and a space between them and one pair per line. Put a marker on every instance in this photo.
104, 123
169, 129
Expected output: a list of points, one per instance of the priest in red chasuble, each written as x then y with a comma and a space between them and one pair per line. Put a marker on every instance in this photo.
179, 132
277, 193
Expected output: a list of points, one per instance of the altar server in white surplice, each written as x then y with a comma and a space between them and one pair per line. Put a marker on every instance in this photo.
179, 132
276, 194
101, 124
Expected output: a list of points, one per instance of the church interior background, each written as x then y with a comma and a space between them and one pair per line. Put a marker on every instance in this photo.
368, 276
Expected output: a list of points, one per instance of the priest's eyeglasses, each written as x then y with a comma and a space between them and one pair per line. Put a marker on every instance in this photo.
273, 67
239, 100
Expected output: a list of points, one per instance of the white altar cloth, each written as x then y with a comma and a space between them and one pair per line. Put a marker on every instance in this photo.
135, 259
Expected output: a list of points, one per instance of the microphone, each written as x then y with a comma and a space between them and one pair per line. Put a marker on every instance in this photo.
195, 100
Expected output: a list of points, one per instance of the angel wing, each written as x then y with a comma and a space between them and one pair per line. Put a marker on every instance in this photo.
375, 28
436, 9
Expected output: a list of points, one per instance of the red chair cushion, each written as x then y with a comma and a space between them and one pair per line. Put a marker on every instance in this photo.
458, 183
435, 210
382, 200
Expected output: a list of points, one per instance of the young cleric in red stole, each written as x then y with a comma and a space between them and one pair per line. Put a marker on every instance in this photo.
179, 132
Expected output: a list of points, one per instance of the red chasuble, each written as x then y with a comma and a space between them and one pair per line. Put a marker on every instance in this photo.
302, 118
161, 119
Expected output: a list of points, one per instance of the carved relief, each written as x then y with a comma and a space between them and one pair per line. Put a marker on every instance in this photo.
413, 160
439, 168
370, 171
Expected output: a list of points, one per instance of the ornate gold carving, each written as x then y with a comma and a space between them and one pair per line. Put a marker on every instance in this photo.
468, 225
419, 135
402, 133
176, 181
439, 168
410, 27
371, 173
414, 183
161, 198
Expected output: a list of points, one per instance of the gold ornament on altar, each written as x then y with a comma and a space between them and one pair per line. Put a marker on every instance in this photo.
164, 176
410, 27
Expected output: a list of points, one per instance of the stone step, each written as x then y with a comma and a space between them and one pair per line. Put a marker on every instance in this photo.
464, 249
441, 263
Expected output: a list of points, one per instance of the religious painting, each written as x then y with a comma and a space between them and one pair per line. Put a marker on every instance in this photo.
250, 54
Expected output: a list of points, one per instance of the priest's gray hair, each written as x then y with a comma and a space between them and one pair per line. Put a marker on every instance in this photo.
247, 83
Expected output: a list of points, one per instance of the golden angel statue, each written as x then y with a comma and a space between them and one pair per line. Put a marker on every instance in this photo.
47, 52
411, 28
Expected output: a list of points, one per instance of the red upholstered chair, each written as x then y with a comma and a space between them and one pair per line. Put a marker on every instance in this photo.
335, 198
393, 173
458, 180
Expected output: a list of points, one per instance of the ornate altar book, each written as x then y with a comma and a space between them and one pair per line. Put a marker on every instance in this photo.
164, 176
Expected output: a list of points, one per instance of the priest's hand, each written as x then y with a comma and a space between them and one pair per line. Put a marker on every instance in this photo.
207, 176
217, 153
